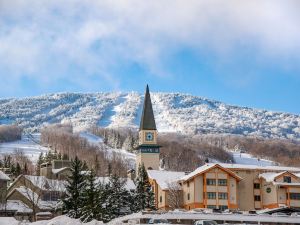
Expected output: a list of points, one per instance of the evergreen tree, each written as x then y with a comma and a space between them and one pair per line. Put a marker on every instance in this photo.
25, 169
117, 198
18, 170
12, 169
91, 196
75, 187
144, 195
39, 163
65, 156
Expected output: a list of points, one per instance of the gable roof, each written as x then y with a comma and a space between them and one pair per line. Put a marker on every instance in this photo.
270, 177
147, 119
46, 184
164, 178
256, 167
207, 167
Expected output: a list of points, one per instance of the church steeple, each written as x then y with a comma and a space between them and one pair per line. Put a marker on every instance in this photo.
148, 150
147, 120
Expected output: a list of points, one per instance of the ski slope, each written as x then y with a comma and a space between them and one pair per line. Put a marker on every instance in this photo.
247, 159
29, 144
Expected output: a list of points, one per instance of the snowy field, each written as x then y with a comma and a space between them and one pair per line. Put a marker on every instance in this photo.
29, 144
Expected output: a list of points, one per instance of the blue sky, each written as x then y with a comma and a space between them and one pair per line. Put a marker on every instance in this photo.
244, 53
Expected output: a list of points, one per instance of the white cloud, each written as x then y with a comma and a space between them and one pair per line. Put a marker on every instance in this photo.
42, 37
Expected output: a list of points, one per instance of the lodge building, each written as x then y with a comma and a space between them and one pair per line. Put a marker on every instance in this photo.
222, 186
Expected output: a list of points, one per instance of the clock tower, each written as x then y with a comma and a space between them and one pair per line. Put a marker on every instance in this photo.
148, 150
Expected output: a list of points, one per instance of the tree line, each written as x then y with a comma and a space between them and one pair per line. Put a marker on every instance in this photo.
89, 198
10, 133
61, 139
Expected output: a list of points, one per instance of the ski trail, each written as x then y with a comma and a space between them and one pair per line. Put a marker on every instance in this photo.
110, 111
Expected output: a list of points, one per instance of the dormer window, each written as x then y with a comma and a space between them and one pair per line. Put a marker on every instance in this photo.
287, 179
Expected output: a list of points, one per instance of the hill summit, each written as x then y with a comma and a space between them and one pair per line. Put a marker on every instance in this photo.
174, 112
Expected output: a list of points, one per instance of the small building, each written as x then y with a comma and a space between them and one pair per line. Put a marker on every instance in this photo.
57, 169
166, 189
38, 193
4, 179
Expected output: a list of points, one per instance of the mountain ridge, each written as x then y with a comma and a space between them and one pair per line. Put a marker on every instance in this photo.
174, 112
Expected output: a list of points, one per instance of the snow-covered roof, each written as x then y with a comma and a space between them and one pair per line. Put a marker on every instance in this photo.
46, 184
3, 176
129, 185
163, 178
257, 167
16, 205
200, 169
286, 184
270, 177
34, 197
206, 167
55, 171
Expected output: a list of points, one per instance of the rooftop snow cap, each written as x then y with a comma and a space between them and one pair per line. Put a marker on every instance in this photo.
147, 120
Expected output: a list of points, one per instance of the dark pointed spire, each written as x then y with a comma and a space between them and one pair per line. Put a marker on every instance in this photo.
147, 120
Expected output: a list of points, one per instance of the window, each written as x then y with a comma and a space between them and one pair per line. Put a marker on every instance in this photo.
211, 181
222, 195
188, 196
257, 198
211, 207
222, 182
295, 196
287, 179
211, 195
188, 184
223, 207
256, 185
160, 198
50, 196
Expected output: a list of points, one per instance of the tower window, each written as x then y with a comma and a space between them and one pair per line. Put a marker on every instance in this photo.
188, 196
160, 198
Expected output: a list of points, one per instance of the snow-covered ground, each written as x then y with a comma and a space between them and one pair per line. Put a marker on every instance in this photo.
60, 220
174, 112
29, 144
247, 159
97, 141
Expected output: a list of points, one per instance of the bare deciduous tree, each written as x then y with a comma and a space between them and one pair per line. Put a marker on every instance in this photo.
174, 195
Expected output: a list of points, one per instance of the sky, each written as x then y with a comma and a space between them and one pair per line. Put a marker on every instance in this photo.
244, 53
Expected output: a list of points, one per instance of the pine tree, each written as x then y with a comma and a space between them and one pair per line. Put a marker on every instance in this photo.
75, 187
18, 170
91, 196
144, 195
117, 198
25, 169
39, 163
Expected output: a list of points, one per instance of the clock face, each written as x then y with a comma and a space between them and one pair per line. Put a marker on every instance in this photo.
149, 136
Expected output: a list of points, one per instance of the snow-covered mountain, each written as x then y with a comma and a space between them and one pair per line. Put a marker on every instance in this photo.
173, 112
